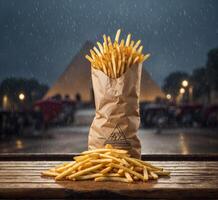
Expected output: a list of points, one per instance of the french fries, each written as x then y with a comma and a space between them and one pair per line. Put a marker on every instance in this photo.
115, 58
106, 164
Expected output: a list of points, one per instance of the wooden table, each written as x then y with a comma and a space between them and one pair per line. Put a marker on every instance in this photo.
192, 177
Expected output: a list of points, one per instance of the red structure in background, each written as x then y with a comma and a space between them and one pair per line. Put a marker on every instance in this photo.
52, 108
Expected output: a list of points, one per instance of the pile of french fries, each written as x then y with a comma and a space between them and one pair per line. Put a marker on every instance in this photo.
114, 58
106, 164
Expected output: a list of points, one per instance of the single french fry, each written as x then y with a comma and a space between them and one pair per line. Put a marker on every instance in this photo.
97, 51
101, 161
50, 173
145, 174
153, 175
100, 47
128, 177
118, 179
89, 58
128, 40
106, 170
112, 175
136, 59
61, 169
140, 50
112, 157
109, 41
80, 158
132, 43
136, 45
145, 57
117, 35
148, 165
114, 65
162, 173
125, 162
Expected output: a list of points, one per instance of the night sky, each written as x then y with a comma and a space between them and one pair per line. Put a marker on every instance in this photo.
38, 38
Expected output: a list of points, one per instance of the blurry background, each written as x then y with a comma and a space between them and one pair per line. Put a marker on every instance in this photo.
46, 97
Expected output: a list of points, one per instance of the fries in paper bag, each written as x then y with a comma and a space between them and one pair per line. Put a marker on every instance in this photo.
116, 77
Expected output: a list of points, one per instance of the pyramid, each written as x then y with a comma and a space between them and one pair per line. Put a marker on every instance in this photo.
77, 79
117, 137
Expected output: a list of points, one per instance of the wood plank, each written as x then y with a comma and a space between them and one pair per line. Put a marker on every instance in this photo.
117, 191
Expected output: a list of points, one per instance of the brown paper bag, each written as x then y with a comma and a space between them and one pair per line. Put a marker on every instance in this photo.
117, 111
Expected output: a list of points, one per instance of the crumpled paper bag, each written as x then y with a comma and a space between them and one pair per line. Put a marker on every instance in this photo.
117, 116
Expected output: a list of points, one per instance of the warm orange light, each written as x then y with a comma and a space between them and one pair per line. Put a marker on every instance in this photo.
168, 96
182, 91
184, 83
21, 96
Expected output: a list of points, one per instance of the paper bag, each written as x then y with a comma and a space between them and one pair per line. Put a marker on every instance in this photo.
117, 116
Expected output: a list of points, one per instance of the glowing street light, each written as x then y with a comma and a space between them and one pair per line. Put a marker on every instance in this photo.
168, 96
184, 83
21, 96
182, 91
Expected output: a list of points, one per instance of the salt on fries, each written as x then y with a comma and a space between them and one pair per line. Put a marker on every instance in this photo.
107, 164
115, 58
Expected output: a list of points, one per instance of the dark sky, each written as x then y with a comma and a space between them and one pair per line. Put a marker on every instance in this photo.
38, 38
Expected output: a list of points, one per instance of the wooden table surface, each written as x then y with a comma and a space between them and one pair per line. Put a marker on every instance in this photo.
189, 179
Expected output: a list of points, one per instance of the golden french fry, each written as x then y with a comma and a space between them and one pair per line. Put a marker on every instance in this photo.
50, 173
106, 170
109, 41
128, 40
114, 65
89, 58
140, 50
112, 158
136, 59
145, 57
153, 175
101, 161
145, 173
162, 173
81, 158
112, 175
120, 171
61, 169
100, 47
136, 45
97, 51
128, 177
148, 165
117, 35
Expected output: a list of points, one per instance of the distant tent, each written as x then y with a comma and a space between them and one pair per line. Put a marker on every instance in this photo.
76, 79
